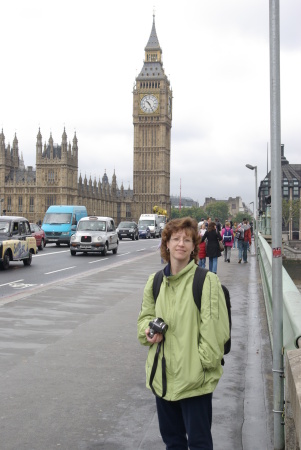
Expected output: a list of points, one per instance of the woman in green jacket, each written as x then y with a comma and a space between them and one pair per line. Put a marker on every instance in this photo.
193, 345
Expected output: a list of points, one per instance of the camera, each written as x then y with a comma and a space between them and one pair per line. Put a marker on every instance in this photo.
157, 326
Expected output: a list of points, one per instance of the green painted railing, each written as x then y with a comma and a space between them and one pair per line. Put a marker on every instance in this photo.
291, 298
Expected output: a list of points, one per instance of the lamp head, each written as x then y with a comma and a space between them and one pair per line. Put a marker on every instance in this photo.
250, 167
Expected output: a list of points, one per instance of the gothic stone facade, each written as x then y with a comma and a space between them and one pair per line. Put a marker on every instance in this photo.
30, 192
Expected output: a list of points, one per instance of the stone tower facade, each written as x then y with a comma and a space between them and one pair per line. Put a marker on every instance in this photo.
28, 192
152, 118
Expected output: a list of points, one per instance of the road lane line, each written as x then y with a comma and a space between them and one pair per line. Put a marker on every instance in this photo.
122, 254
52, 253
141, 250
67, 268
6, 284
98, 260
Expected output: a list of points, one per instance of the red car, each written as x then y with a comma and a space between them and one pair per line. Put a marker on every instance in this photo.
39, 234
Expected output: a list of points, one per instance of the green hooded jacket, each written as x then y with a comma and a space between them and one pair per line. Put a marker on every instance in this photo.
194, 341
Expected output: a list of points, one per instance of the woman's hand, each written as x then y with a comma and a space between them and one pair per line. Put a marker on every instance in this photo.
158, 337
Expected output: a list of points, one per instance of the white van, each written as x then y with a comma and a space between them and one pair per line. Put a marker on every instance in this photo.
152, 222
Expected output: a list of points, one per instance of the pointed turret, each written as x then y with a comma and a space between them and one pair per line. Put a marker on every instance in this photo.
50, 142
39, 144
114, 184
2, 142
64, 142
15, 153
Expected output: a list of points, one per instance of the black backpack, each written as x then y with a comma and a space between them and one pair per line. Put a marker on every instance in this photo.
197, 288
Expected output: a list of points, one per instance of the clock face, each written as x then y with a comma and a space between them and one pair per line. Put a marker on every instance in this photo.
149, 103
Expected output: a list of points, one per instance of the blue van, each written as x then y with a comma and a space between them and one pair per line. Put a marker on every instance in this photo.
60, 222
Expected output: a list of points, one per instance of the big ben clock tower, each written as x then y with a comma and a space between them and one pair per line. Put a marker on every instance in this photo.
152, 116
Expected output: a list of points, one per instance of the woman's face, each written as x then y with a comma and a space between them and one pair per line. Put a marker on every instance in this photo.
180, 247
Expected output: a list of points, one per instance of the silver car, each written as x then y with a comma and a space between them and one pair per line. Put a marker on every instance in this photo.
94, 234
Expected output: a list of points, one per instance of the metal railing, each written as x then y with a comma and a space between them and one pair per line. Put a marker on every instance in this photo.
291, 299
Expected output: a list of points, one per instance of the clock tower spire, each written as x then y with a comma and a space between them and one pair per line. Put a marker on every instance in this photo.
152, 118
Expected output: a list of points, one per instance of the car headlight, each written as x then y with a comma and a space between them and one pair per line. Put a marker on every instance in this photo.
73, 237
99, 238
131, 229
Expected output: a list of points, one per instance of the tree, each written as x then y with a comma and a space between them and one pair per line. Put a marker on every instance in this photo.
290, 211
219, 210
240, 216
196, 213
159, 210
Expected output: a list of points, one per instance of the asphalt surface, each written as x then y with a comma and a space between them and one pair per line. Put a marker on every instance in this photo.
72, 370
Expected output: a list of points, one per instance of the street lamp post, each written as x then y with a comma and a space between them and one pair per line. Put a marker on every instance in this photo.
249, 166
252, 203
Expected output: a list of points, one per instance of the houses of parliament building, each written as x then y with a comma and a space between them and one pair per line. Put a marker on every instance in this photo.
28, 191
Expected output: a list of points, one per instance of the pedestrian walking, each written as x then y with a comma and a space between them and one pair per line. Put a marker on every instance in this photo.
213, 250
202, 247
243, 233
228, 239
189, 357
235, 244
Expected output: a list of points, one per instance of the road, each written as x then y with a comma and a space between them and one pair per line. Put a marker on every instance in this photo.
55, 263
73, 373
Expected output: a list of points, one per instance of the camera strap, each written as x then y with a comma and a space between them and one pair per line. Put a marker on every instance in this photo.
154, 368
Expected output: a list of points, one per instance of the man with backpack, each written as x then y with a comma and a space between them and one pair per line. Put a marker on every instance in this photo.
243, 235
186, 341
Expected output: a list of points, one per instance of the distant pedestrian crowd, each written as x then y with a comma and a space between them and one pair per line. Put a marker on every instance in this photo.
218, 239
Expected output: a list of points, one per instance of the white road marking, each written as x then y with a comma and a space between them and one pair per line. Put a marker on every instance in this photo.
98, 260
52, 253
20, 285
7, 284
122, 254
61, 270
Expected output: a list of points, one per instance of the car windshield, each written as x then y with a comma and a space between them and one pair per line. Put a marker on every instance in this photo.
126, 224
4, 227
143, 227
57, 218
89, 225
147, 222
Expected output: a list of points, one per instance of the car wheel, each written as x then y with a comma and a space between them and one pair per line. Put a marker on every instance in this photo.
28, 260
120, 238
115, 250
5, 262
133, 237
41, 246
105, 250
73, 252
137, 237
57, 244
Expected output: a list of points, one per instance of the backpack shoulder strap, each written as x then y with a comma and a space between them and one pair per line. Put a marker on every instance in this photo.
197, 286
158, 278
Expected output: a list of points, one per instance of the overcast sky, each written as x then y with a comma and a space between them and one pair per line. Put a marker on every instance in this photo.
73, 64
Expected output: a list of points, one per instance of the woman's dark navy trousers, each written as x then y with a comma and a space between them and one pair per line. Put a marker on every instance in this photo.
186, 424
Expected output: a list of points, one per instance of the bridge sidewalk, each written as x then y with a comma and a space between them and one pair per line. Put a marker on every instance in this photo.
72, 371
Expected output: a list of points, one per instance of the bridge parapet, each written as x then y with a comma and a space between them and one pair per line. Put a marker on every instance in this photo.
291, 298
291, 341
